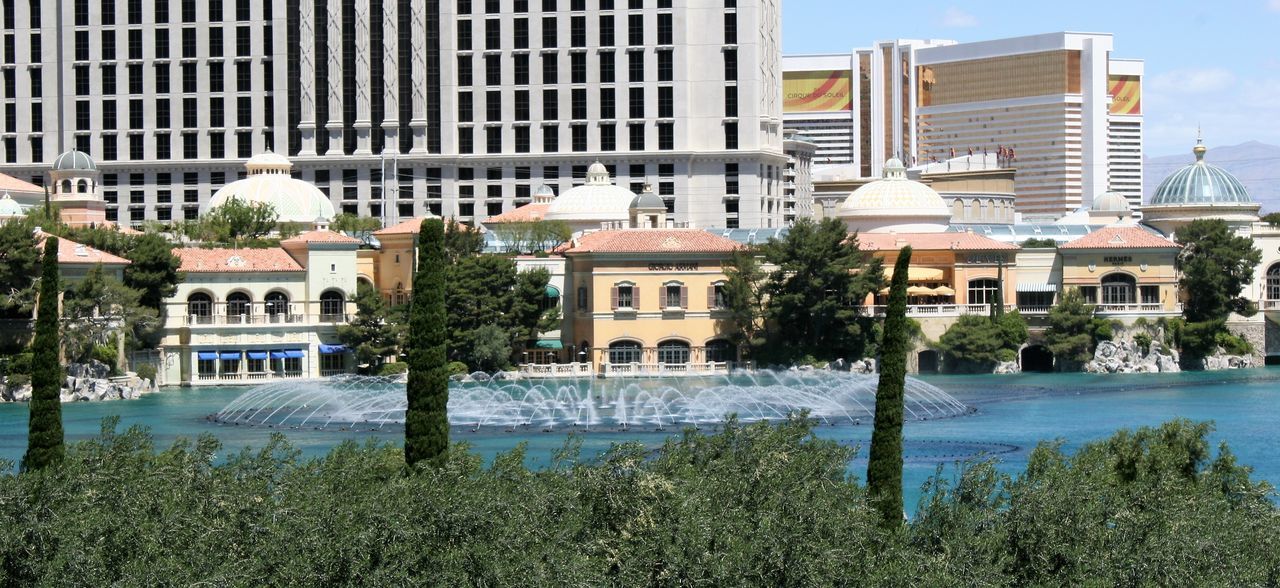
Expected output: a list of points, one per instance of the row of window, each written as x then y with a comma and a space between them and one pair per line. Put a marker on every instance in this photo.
107, 43
550, 66
493, 35
276, 302
519, 111
672, 296
107, 84
522, 6
521, 138
215, 107
671, 351
106, 14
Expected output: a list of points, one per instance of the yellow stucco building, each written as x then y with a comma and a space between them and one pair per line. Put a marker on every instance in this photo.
1123, 270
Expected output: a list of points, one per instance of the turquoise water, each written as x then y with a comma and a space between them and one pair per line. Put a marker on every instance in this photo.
1014, 412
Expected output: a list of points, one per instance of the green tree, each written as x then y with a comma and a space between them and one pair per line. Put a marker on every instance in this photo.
371, 334
489, 348
531, 236
356, 225
461, 241
527, 316
98, 308
44, 433
1215, 266
236, 221
426, 430
744, 303
1071, 333
153, 269
1036, 243
815, 294
977, 343
884, 468
19, 266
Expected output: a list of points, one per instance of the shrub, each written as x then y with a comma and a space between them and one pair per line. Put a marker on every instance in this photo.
17, 380
393, 368
974, 343
105, 354
20, 364
1233, 344
1143, 342
1006, 355
146, 371
457, 368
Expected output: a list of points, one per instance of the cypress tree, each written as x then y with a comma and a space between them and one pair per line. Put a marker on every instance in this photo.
884, 468
426, 422
44, 433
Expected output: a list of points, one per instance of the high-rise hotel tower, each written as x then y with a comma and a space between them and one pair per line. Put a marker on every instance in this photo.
402, 108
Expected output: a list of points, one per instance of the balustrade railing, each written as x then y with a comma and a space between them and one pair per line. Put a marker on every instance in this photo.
554, 370
266, 319
1270, 305
665, 369
1145, 307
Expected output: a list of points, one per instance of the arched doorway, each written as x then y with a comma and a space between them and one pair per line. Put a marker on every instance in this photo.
673, 351
719, 350
277, 306
1119, 288
200, 308
238, 307
927, 361
332, 305
625, 352
1037, 358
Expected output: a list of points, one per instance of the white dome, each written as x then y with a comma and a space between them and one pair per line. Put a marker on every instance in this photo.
268, 182
895, 203
1110, 202
10, 207
596, 201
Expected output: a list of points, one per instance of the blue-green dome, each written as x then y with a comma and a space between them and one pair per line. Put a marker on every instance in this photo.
1201, 183
74, 160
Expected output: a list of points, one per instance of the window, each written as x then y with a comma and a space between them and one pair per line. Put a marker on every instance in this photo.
666, 69
731, 102
731, 135
520, 38
730, 178
666, 102
636, 102
635, 29
673, 352
715, 296
578, 68
675, 296
493, 140
238, 307
665, 29
719, 350
666, 139
606, 67
1273, 283
578, 31
583, 302
625, 296
522, 139
332, 306
492, 34
625, 352
466, 142
608, 108
608, 137
731, 28
493, 106
277, 306
635, 66
579, 136
200, 306
550, 139
464, 70
635, 132
548, 32
549, 68
493, 70
984, 291
606, 30
464, 35
579, 104
521, 62
731, 65
1118, 288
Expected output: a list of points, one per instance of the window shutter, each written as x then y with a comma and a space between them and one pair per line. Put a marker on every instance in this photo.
711, 297
613, 297
635, 297
684, 297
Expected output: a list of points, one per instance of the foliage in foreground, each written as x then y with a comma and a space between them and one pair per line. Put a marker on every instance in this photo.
44, 427
750, 505
976, 343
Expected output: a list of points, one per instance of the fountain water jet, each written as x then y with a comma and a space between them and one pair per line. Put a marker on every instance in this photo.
499, 401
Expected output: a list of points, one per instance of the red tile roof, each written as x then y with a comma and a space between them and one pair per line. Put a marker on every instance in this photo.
650, 241
931, 242
527, 213
409, 227
1120, 238
273, 259
321, 237
9, 183
71, 252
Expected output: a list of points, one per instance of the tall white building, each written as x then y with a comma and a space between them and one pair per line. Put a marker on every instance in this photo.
1070, 113
398, 109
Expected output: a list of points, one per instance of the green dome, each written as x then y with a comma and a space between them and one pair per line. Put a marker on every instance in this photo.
1200, 183
74, 160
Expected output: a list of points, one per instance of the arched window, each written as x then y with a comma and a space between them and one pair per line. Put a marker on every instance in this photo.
720, 350
83, 187
1118, 288
957, 209
200, 307
625, 352
984, 291
66, 186
672, 351
277, 305
332, 305
238, 307
1273, 283
550, 299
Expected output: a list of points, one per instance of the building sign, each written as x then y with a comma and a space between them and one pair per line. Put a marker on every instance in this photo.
1117, 259
1126, 94
817, 91
673, 267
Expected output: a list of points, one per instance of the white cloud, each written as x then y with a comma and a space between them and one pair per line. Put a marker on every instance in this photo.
1192, 81
958, 19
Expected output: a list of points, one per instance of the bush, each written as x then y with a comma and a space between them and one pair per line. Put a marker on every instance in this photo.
1143, 341
1006, 355
975, 343
146, 371
20, 364
393, 368
1233, 344
105, 354
759, 505
457, 368
17, 380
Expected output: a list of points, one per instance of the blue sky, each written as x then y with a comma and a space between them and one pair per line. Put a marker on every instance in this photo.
1213, 63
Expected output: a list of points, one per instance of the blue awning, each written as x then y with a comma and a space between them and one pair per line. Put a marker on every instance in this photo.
206, 355
277, 354
331, 349
549, 344
229, 355
293, 353
257, 354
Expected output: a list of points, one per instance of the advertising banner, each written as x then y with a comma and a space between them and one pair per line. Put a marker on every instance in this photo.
816, 91
1126, 94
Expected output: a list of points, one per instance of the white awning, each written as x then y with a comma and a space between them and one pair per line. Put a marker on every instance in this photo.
1033, 287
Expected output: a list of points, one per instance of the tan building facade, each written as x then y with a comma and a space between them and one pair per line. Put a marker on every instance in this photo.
1123, 270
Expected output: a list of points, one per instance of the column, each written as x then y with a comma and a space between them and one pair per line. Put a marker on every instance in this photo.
363, 123
390, 77
334, 124
307, 66
418, 79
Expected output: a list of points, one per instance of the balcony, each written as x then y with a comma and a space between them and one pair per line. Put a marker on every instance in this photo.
928, 310
1145, 308
265, 319
614, 370
555, 370
1269, 305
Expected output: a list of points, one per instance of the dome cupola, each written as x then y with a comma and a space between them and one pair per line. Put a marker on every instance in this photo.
268, 181
1200, 183
895, 203
593, 204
